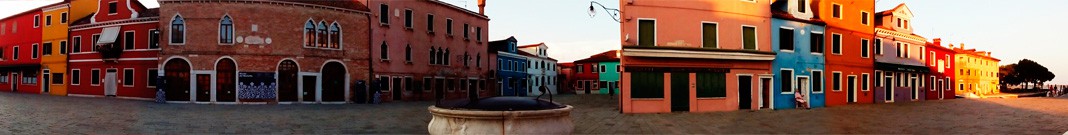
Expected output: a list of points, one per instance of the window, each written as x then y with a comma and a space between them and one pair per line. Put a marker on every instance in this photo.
478, 60
62, 47
603, 69
34, 49
383, 14
786, 76
448, 26
226, 30
46, 49
898, 22
878, 79
383, 83
48, 20
786, 39
384, 54
397, 84
321, 35
864, 82
836, 81
836, 11
749, 41
96, 37
466, 30
864, 18
900, 51
578, 68
113, 8
647, 85
801, 6
646, 32
94, 77
1, 54
408, 53
29, 77
76, 45
15, 53
335, 36
309, 34
63, 17
709, 35
923, 56
864, 48
177, 34
408, 18
817, 81
478, 34
127, 77
128, 40
933, 58
57, 78
152, 74
153, 40
878, 46
445, 58
36, 22
408, 86
426, 83
836, 44
817, 43
430, 23
4, 77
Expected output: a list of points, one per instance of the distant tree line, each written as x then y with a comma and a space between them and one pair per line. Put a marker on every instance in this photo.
1026, 72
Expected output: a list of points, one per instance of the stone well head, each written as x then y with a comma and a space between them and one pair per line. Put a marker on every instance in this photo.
501, 115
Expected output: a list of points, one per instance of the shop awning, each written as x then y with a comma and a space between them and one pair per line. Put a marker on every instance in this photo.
901, 68
108, 35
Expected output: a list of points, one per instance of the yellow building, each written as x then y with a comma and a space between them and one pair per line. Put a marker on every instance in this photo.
977, 72
54, 44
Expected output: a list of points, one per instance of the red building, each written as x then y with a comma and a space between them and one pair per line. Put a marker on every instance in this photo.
587, 75
429, 49
942, 73
850, 30
20, 37
565, 78
115, 54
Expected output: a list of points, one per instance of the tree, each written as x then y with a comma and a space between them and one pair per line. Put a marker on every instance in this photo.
1030, 72
1008, 75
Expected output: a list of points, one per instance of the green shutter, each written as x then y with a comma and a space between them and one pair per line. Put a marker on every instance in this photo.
711, 85
647, 85
710, 38
749, 38
646, 33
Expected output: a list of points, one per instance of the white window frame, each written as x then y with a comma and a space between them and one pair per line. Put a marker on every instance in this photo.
865, 76
823, 84
780, 40
41, 49
638, 28
878, 45
48, 20
839, 45
703, 34
865, 14
64, 17
37, 21
98, 75
109, 8
124, 39
150, 84
841, 11
866, 44
185, 29
837, 74
233, 27
75, 40
133, 77
879, 75
36, 53
72, 78
793, 80
756, 36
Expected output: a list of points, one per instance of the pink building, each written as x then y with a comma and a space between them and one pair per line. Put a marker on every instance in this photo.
429, 49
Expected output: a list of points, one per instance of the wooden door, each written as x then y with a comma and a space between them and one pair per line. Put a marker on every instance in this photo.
680, 91
287, 81
308, 85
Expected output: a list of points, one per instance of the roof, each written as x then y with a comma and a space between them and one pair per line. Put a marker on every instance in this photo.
973, 52
151, 12
84, 20
532, 55
34, 10
607, 56
461, 9
940, 47
531, 45
344, 4
887, 12
786, 15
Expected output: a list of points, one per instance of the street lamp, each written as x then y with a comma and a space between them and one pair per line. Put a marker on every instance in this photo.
611, 11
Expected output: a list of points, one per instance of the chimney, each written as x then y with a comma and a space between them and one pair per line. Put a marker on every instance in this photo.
961, 45
482, 7
950, 46
988, 53
938, 41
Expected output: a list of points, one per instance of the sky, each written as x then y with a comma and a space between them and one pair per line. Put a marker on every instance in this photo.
1011, 29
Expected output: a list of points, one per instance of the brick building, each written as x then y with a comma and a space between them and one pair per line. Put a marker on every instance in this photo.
429, 49
289, 51
113, 52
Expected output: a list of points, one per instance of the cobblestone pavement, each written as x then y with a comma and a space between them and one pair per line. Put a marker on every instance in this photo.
594, 114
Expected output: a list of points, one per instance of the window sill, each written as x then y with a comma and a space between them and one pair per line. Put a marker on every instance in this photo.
711, 98
380, 24
647, 99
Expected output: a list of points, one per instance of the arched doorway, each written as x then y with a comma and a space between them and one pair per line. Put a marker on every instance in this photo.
176, 73
333, 82
225, 80
287, 81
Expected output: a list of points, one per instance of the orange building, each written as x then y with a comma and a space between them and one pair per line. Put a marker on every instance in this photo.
850, 28
695, 56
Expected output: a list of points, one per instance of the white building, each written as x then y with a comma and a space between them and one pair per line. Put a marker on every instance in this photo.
541, 68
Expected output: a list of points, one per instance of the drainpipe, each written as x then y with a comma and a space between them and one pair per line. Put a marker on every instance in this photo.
370, 60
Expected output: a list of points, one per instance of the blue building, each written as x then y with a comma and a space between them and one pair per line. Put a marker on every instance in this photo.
511, 67
797, 40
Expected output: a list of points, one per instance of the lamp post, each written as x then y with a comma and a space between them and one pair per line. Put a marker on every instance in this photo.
611, 11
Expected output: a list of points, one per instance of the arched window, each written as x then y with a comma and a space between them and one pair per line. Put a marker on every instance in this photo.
441, 59
433, 56
408, 53
385, 51
335, 36
466, 58
309, 34
177, 30
322, 35
446, 56
226, 30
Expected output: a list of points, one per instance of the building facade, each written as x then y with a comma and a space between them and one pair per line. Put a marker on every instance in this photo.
511, 73
850, 30
114, 52
565, 77
585, 77
695, 56
20, 37
976, 72
940, 61
238, 51
900, 56
540, 69
604, 71
797, 41
429, 49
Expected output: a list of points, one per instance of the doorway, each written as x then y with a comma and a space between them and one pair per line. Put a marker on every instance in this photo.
915, 90
46, 85
439, 89
111, 83
203, 88
802, 85
287, 81
941, 93
308, 88
680, 91
851, 83
225, 81
745, 90
334, 82
176, 73
18, 81
888, 94
765, 92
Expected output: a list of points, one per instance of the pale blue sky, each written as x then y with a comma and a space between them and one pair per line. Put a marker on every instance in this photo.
1011, 29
